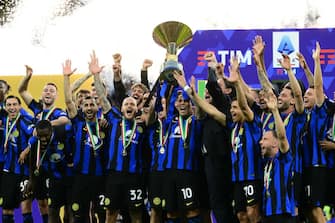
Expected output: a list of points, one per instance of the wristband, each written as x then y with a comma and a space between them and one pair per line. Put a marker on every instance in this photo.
186, 87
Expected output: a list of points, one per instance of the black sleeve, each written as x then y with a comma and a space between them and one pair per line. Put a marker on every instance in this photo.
119, 91
144, 78
220, 100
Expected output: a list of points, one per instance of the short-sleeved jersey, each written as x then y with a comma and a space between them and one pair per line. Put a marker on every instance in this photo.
88, 154
15, 135
56, 157
294, 125
183, 153
42, 114
319, 128
278, 192
156, 142
246, 153
125, 144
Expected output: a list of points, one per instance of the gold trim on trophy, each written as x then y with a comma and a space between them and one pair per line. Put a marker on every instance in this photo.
171, 35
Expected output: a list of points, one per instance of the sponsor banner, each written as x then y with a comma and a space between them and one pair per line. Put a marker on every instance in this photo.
229, 43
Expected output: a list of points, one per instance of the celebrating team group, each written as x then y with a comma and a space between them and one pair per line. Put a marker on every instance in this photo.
167, 154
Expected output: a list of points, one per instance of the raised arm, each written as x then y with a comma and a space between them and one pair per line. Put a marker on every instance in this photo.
307, 71
237, 80
95, 69
70, 105
271, 102
74, 87
318, 81
258, 53
299, 103
201, 103
119, 88
144, 72
23, 86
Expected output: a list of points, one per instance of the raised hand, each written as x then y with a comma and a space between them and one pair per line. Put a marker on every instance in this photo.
316, 51
146, 64
271, 100
234, 70
302, 61
258, 49
29, 71
211, 59
67, 70
93, 65
117, 72
285, 62
258, 46
220, 70
180, 78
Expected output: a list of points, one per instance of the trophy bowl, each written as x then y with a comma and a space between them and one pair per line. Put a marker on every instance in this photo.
171, 35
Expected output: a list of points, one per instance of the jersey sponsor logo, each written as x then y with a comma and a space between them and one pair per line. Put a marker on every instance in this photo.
176, 133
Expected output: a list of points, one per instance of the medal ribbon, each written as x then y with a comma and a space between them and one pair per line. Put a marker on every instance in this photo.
38, 160
287, 119
267, 119
184, 127
90, 133
333, 136
267, 174
126, 142
162, 137
235, 135
9, 129
48, 114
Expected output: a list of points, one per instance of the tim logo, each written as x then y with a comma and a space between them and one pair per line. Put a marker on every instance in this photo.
224, 56
285, 43
327, 56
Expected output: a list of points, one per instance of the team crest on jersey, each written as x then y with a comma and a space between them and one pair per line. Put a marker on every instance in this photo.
140, 129
56, 158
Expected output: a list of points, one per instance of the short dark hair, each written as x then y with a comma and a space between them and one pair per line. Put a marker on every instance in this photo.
43, 124
13, 96
52, 84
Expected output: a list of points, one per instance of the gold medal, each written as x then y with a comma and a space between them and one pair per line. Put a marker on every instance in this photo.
102, 135
271, 125
185, 145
